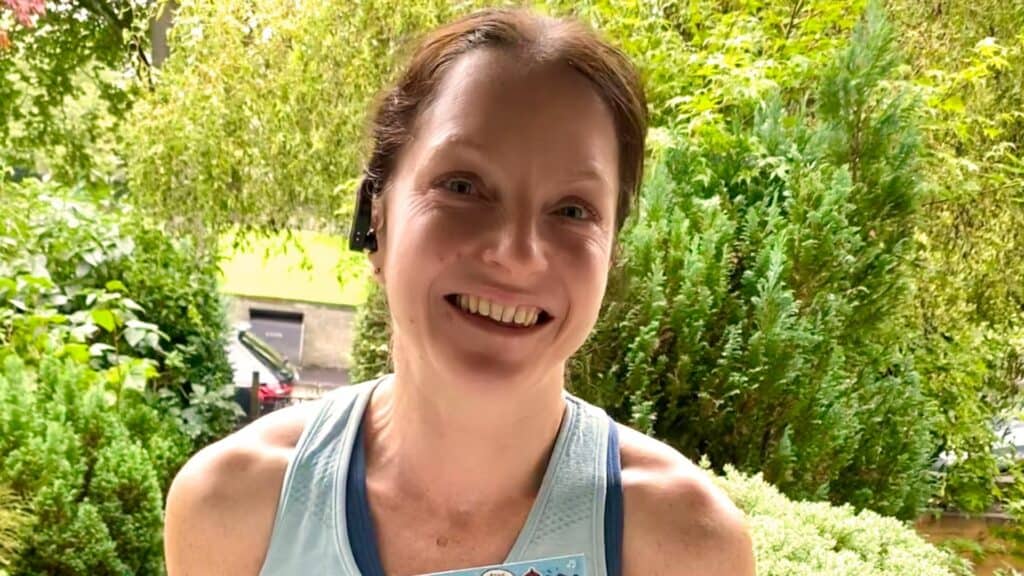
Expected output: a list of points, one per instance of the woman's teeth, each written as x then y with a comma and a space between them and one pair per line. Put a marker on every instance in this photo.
524, 316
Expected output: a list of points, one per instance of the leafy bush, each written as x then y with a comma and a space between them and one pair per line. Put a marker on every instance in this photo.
13, 521
814, 538
371, 341
68, 261
92, 488
100, 404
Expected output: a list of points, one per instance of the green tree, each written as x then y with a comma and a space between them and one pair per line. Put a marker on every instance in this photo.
68, 75
92, 490
258, 119
967, 60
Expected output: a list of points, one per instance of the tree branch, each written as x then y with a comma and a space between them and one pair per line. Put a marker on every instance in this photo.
798, 7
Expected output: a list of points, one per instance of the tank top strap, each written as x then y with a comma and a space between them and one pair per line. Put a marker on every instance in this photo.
569, 514
310, 521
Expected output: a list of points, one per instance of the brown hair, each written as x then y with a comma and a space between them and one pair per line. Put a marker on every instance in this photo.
535, 37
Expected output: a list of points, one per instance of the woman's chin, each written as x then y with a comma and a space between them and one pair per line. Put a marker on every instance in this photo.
490, 372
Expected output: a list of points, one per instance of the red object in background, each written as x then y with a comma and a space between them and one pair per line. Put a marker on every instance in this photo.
266, 392
25, 9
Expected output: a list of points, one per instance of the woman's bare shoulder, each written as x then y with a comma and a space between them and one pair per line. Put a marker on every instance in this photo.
221, 505
677, 521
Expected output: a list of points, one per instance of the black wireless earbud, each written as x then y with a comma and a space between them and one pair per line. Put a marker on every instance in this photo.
362, 235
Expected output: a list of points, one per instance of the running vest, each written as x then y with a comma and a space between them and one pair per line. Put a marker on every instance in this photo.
323, 525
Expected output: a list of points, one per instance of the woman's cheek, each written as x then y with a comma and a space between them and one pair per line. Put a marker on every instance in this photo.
583, 247
452, 229
586, 260
422, 222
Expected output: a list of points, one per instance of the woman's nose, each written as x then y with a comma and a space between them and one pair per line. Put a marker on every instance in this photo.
517, 247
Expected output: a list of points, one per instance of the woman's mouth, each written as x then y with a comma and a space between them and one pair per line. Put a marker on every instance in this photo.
509, 316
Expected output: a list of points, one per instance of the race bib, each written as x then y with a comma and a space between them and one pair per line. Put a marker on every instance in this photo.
560, 566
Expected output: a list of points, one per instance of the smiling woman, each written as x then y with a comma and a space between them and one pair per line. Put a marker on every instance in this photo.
504, 162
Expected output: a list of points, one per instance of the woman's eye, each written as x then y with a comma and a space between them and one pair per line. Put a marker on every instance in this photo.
574, 212
460, 186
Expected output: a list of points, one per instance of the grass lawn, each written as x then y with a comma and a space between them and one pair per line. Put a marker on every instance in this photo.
310, 267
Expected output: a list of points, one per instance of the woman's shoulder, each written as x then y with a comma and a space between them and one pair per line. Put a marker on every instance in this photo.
677, 521
222, 503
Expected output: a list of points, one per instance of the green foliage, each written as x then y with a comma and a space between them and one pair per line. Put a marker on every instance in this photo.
92, 489
66, 83
259, 114
112, 343
813, 538
67, 265
968, 62
371, 339
704, 62
258, 120
759, 305
13, 521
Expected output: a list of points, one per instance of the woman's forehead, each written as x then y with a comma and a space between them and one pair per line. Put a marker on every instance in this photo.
489, 101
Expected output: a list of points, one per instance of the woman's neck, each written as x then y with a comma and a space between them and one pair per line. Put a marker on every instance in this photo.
457, 451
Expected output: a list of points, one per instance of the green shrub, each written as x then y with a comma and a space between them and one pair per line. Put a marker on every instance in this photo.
13, 521
371, 338
99, 405
815, 538
764, 292
91, 487
78, 268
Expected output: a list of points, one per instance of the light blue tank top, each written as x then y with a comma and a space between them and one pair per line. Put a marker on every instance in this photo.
323, 524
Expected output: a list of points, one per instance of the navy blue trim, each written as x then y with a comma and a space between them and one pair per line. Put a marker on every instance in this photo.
613, 517
361, 534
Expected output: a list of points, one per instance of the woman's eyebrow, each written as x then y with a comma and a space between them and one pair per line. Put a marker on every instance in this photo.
452, 143
452, 140
588, 174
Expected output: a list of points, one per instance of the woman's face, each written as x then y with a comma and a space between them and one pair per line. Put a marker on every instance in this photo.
505, 197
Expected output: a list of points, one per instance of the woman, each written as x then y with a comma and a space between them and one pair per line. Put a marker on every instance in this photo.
505, 160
